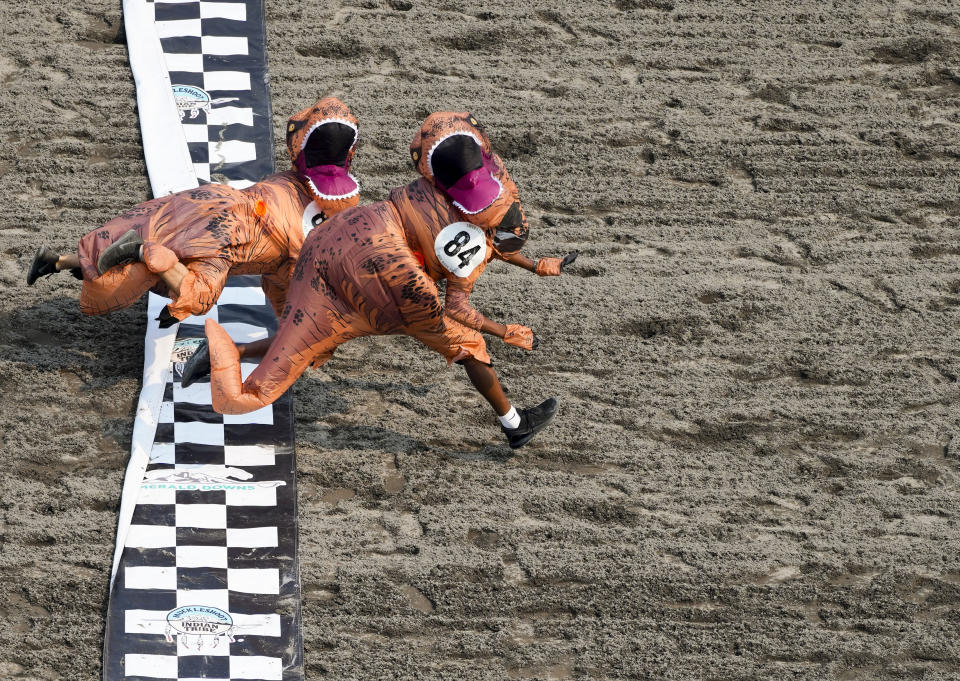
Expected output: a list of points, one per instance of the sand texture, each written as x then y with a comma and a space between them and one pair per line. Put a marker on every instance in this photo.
755, 471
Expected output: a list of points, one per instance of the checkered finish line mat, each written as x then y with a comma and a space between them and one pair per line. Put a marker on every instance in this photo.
205, 582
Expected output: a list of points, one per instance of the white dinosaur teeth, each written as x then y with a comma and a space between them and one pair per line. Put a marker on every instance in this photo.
331, 197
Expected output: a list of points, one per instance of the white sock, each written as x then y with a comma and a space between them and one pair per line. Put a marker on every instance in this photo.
511, 419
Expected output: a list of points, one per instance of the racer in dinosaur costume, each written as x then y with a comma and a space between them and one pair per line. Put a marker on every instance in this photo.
372, 270
184, 246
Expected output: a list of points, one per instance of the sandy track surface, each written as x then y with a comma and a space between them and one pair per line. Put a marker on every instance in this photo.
755, 471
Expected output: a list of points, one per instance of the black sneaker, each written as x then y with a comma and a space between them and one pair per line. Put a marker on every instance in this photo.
124, 250
532, 421
197, 366
44, 263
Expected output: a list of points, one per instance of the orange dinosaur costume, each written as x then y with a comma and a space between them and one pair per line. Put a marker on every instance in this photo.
372, 270
216, 231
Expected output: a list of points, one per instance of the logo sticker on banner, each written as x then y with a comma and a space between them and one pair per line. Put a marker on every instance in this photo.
192, 100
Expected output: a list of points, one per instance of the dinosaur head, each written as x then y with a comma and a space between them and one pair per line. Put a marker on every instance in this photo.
452, 151
321, 140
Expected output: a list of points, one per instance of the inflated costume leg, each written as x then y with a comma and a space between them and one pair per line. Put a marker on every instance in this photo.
115, 289
226, 385
295, 347
158, 258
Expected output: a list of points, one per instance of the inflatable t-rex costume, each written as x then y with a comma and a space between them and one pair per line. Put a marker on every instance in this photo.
215, 231
372, 270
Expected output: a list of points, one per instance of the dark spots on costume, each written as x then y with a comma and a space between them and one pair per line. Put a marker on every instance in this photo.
372, 265
201, 195
136, 211
319, 285
298, 318
286, 310
416, 291
298, 271
218, 227
103, 234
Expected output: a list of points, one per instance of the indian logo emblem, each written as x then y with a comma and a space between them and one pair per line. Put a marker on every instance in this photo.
183, 350
193, 100
199, 627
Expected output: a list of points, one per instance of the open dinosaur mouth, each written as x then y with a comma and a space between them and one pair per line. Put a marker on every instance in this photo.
324, 159
464, 172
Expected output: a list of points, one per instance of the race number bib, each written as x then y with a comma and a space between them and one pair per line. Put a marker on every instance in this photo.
461, 247
312, 216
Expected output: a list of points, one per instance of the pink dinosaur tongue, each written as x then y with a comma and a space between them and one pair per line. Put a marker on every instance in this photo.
476, 190
329, 180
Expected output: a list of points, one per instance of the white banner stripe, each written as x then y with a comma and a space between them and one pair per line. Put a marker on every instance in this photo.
229, 115
145, 621
151, 536
190, 63
226, 80
202, 171
254, 580
179, 28
232, 151
257, 625
198, 433
151, 666
249, 455
263, 416
156, 495
201, 556
242, 295
163, 452
256, 667
196, 133
223, 45
223, 10
166, 413
258, 496
244, 333
149, 577
209, 516
252, 537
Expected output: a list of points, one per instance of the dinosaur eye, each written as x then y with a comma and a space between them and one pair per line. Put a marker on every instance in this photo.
473, 121
416, 155
291, 128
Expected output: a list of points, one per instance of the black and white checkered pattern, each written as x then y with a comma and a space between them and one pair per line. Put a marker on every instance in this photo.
214, 528
207, 585
219, 47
